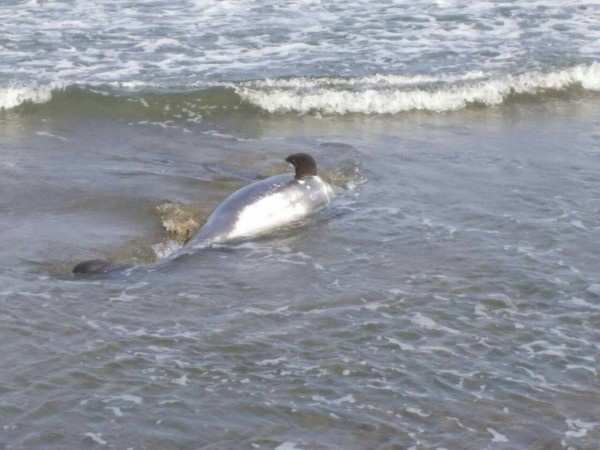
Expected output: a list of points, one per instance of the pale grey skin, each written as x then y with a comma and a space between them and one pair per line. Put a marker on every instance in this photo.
251, 211
262, 207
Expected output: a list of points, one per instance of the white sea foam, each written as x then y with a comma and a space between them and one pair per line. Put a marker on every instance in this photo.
265, 312
428, 323
15, 94
127, 398
116, 411
153, 45
403, 346
373, 94
111, 42
497, 437
96, 437
338, 401
288, 446
370, 81
272, 362
543, 347
576, 301
578, 428
594, 289
389, 95
182, 380
581, 367
164, 249
417, 412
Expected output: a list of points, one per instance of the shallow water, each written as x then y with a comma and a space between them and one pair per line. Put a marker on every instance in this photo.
448, 298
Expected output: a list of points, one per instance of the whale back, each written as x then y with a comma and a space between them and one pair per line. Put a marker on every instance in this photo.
264, 206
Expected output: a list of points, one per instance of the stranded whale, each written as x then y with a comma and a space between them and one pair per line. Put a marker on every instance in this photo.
255, 209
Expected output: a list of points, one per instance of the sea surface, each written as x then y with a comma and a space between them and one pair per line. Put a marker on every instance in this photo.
448, 298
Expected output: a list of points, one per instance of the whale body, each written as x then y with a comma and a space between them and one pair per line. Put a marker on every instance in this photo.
262, 207
255, 209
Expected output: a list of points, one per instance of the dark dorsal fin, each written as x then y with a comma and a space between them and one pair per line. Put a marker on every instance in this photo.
304, 164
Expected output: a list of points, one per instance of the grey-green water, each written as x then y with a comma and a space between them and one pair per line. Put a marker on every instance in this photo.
448, 298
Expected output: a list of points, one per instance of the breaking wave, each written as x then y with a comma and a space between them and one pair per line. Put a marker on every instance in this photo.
396, 94
15, 94
369, 95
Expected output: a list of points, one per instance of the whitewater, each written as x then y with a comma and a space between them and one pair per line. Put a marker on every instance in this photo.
448, 297
370, 57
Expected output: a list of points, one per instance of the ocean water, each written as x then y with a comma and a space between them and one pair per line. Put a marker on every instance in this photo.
449, 297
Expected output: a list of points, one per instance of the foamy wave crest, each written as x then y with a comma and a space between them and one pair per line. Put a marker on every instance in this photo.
15, 94
394, 94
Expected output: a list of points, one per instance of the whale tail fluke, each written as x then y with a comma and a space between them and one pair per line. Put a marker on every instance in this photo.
92, 267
